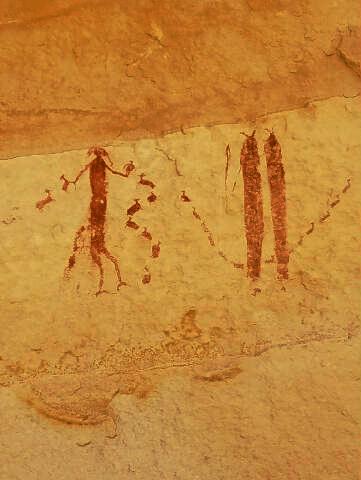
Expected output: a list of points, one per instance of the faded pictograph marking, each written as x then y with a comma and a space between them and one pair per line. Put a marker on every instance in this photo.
184, 197
332, 203
147, 276
156, 250
226, 168
211, 241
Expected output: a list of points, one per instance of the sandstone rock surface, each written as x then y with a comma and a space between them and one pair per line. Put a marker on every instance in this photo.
192, 370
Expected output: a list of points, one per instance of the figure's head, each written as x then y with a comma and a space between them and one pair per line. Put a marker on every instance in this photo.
98, 152
249, 136
272, 140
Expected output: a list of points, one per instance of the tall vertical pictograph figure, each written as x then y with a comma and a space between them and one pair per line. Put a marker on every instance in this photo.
277, 185
253, 206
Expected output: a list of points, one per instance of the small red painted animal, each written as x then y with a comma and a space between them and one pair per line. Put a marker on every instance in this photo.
156, 250
146, 234
131, 224
185, 197
41, 203
98, 167
134, 208
66, 183
146, 182
152, 197
147, 276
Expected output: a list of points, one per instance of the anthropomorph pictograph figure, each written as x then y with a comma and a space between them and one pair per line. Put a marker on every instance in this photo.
97, 167
277, 185
253, 206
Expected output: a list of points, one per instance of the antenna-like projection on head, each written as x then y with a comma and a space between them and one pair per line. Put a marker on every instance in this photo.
248, 136
100, 152
270, 131
272, 137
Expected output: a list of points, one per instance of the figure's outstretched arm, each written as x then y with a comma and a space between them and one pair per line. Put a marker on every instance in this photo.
129, 167
74, 182
117, 173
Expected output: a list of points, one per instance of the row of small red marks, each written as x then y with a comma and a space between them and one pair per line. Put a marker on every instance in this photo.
253, 206
76, 249
277, 185
210, 236
130, 223
44, 201
148, 183
203, 223
204, 228
325, 215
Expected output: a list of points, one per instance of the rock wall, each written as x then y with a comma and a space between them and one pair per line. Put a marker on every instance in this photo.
136, 339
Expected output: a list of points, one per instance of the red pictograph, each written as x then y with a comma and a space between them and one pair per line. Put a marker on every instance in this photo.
277, 185
253, 205
98, 168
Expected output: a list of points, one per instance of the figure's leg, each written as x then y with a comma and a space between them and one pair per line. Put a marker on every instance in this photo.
106, 252
71, 261
96, 259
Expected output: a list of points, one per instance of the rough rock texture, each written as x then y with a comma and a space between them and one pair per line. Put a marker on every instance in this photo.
75, 71
192, 370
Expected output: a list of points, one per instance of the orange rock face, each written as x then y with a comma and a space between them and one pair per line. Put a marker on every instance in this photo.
204, 157
74, 71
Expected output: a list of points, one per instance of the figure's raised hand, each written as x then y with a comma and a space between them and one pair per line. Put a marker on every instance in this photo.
66, 183
129, 167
